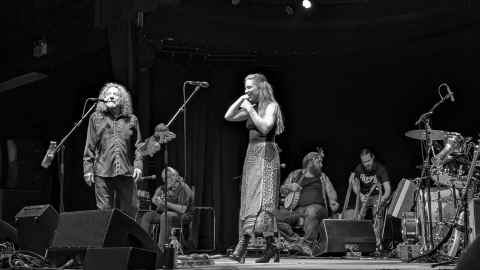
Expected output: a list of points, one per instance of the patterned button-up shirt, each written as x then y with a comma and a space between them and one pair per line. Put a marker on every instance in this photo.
112, 145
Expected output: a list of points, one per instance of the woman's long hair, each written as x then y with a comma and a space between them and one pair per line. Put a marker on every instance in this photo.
125, 99
265, 97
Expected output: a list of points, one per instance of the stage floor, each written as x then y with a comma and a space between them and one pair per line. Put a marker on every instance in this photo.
322, 263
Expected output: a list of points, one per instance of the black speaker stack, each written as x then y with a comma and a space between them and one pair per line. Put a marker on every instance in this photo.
95, 239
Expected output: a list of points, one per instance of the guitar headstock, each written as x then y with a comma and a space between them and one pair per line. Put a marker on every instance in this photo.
153, 143
162, 134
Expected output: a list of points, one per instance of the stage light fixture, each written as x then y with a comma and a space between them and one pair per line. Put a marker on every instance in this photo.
289, 10
235, 2
306, 4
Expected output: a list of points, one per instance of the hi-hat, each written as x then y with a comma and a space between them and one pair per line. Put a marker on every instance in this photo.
419, 134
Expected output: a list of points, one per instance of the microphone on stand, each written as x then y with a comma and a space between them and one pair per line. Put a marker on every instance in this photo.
449, 91
198, 83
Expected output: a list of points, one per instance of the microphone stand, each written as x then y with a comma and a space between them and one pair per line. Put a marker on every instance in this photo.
426, 176
170, 251
54, 149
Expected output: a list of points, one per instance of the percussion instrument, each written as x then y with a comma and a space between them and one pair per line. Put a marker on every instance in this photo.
443, 204
410, 227
419, 134
453, 145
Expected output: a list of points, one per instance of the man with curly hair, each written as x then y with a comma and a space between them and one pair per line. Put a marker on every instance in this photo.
112, 160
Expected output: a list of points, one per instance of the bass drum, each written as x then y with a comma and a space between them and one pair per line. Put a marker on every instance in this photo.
443, 204
443, 215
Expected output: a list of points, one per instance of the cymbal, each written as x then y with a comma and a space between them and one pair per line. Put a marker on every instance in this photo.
419, 134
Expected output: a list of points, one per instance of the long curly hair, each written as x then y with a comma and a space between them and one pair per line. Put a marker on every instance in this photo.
265, 97
125, 99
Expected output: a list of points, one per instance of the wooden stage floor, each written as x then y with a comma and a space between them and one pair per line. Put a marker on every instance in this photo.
321, 263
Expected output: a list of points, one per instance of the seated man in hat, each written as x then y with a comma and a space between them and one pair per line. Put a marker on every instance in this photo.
316, 197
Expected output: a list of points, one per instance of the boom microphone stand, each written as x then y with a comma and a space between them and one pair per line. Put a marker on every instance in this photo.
170, 251
426, 171
54, 149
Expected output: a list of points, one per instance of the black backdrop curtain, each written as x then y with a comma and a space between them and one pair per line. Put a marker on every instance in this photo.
340, 99
343, 103
215, 149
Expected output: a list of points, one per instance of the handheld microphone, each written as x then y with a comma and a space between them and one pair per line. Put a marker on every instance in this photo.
98, 100
198, 83
450, 93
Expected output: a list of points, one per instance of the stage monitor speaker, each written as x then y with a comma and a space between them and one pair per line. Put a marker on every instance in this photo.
348, 235
8, 233
474, 219
402, 198
36, 225
78, 231
13, 200
100, 228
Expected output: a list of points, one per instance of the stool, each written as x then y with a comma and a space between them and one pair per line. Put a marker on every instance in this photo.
179, 232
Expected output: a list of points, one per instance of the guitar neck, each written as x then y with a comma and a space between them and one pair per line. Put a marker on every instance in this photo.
347, 198
364, 205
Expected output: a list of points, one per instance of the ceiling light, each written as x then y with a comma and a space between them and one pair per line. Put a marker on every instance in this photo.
306, 4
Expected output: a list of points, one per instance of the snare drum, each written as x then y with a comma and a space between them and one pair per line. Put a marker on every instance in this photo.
410, 227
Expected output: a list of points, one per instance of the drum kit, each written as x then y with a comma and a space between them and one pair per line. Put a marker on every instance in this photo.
447, 173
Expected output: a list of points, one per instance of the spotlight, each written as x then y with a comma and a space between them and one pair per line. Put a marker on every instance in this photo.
235, 2
306, 4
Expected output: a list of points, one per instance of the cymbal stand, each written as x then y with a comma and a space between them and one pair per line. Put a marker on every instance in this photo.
427, 227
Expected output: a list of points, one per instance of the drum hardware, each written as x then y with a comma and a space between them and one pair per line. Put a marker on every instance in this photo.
461, 214
427, 135
410, 228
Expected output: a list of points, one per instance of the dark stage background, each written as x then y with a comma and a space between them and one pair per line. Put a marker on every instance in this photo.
344, 82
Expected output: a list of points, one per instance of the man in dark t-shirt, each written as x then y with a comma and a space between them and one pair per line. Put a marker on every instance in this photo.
370, 181
367, 175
